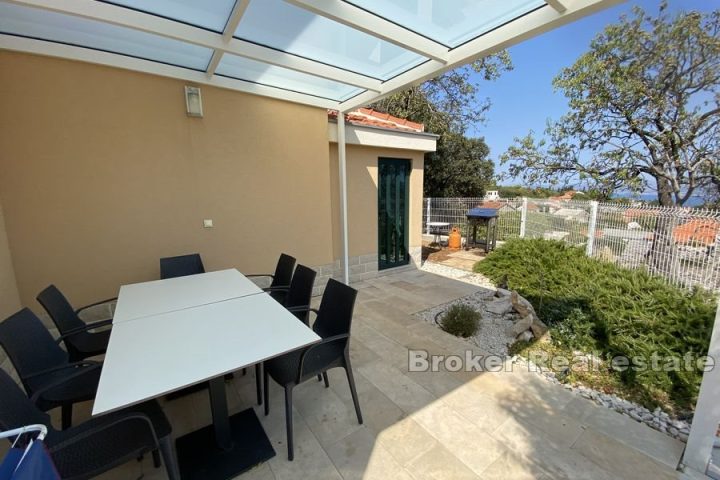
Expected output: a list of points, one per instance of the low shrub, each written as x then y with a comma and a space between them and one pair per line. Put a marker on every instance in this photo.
461, 321
597, 306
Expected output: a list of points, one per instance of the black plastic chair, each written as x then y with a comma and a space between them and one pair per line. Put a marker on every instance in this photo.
297, 301
298, 294
98, 445
334, 318
80, 342
281, 278
181, 266
44, 368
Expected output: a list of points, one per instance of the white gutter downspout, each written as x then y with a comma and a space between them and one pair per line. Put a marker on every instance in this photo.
343, 197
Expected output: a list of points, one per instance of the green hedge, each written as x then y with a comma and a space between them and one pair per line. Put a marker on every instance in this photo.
596, 306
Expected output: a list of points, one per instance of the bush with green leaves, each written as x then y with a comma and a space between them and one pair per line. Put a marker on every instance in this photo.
596, 306
461, 321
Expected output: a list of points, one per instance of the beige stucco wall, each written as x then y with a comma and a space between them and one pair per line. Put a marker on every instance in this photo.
362, 175
102, 173
9, 297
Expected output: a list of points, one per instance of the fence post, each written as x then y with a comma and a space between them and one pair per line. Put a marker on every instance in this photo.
591, 228
427, 216
523, 216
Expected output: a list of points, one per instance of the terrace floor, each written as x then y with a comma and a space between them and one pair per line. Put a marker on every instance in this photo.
443, 425
463, 259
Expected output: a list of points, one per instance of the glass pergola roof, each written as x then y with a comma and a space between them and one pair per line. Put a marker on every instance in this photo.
331, 53
452, 22
286, 27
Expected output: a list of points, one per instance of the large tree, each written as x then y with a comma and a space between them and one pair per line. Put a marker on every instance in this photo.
644, 111
450, 106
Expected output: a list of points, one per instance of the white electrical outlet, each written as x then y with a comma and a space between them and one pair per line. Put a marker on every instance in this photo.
207, 223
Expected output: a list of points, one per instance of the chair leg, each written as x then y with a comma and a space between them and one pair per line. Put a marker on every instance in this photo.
320, 377
289, 421
353, 391
66, 416
258, 382
266, 389
156, 459
325, 377
168, 455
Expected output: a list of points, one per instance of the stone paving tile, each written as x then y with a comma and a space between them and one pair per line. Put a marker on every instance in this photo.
477, 407
511, 466
379, 412
623, 429
360, 457
440, 464
532, 444
404, 392
325, 413
406, 440
470, 445
439, 383
617, 458
389, 351
310, 458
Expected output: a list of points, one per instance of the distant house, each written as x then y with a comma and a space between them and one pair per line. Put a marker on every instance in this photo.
697, 233
632, 214
500, 206
576, 214
569, 195
492, 195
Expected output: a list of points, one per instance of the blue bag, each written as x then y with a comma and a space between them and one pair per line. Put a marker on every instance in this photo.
36, 465
10, 463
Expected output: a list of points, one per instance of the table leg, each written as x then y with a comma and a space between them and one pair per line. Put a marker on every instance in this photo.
219, 409
228, 447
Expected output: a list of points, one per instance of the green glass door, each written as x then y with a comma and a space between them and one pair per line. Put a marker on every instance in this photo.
393, 195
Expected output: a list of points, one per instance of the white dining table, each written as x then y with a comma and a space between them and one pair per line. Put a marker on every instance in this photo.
152, 353
161, 296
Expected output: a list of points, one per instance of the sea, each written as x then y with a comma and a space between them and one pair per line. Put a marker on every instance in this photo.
694, 201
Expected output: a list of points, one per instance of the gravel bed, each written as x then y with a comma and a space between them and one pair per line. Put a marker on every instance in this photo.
491, 337
458, 274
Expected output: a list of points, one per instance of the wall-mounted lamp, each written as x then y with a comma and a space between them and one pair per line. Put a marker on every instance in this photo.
193, 101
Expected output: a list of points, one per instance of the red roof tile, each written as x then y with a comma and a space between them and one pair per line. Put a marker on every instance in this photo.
491, 204
698, 232
369, 117
565, 196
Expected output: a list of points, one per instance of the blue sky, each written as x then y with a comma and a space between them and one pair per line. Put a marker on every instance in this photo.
523, 99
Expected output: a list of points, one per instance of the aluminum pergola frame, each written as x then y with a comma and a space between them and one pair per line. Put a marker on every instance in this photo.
440, 58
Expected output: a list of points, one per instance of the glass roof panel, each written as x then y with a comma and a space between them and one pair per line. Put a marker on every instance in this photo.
257, 72
279, 25
450, 22
56, 27
209, 14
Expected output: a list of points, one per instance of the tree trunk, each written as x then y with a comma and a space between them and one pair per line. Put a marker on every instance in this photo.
664, 192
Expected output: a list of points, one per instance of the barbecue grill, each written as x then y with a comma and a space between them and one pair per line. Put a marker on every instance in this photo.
483, 217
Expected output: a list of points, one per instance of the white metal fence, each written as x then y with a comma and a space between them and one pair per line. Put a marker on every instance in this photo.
678, 244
